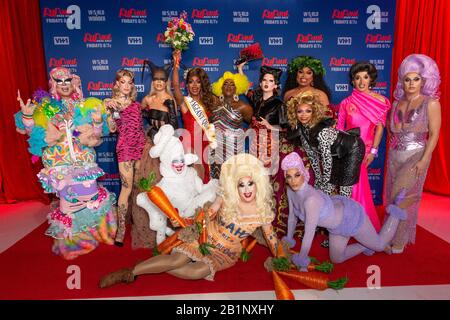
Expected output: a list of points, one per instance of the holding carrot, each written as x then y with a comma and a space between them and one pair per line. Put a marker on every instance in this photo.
243, 177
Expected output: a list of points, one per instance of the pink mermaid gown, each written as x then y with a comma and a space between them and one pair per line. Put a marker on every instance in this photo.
363, 111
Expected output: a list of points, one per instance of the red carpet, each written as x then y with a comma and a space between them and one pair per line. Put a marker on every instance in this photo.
29, 270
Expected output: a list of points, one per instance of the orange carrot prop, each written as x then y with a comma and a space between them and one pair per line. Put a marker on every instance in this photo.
281, 289
203, 238
281, 262
169, 248
159, 198
245, 254
315, 280
168, 242
315, 265
245, 242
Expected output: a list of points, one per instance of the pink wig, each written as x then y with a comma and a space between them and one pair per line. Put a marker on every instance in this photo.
426, 68
64, 73
293, 161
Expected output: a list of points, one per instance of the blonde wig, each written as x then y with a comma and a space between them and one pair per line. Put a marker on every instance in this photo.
122, 73
240, 80
240, 166
319, 111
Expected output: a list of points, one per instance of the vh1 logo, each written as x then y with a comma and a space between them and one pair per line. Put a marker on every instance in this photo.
206, 41
140, 87
275, 41
135, 41
61, 41
341, 87
344, 41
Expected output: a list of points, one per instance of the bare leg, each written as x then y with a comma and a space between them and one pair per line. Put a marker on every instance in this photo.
126, 170
161, 263
156, 264
191, 271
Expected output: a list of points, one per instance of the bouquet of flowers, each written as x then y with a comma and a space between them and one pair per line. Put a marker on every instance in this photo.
179, 33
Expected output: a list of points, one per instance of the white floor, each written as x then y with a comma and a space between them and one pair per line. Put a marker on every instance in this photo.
17, 220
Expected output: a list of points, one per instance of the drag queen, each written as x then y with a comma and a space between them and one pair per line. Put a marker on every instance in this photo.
306, 73
366, 110
228, 118
414, 123
158, 109
63, 130
268, 116
130, 142
245, 204
335, 156
195, 111
342, 217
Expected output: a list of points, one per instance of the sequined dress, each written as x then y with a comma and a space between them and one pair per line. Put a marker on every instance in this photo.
409, 136
229, 134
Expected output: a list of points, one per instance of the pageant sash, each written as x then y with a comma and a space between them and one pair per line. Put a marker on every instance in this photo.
199, 114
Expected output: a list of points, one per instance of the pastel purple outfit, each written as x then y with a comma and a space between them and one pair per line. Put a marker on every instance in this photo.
409, 136
341, 216
366, 112
131, 140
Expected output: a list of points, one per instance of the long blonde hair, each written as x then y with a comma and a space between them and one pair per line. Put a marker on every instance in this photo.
319, 111
240, 166
119, 75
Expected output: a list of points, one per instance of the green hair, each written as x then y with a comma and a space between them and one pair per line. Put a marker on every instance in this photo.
306, 61
240, 80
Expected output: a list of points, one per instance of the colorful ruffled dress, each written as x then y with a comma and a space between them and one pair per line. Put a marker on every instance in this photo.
62, 132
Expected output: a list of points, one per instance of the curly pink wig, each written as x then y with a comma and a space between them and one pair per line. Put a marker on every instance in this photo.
64, 73
426, 68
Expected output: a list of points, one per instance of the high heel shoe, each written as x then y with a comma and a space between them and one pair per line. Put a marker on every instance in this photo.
398, 250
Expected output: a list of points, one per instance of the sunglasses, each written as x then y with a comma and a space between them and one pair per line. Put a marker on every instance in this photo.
60, 82
162, 79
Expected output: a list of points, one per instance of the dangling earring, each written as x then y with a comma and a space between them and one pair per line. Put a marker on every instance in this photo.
236, 97
221, 98
312, 83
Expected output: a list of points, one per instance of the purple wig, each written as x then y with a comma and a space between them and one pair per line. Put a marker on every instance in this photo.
426, 68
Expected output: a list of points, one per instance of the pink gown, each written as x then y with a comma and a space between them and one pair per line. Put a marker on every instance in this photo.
366, 112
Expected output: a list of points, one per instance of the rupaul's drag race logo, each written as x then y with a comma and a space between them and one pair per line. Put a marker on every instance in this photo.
309, 41
381, 87
161, 41
345, 16
71, 16
132, 63
240, 40
207, 63
275, 16
204, 16
275, 62
378, 41
341, 64
69, 63
132, 15
97, 40
100, 88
